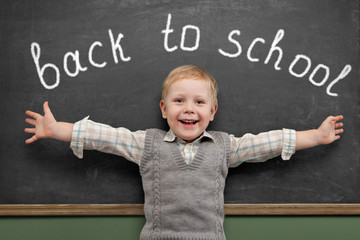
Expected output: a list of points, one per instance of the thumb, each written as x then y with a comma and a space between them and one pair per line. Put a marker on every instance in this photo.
47, 110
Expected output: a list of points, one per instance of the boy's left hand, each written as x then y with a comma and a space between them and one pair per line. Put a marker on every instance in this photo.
330, 129
328, 132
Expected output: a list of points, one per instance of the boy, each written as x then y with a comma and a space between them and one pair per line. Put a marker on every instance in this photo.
183, 170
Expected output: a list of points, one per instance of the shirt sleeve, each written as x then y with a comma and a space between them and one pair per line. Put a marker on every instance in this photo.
89, 135
261, 147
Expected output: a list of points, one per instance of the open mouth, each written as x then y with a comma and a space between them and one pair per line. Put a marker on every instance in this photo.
189, 122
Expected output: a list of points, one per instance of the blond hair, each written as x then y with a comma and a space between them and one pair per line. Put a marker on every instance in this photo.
190, 72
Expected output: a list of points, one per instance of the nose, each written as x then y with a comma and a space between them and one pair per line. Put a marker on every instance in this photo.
189, 108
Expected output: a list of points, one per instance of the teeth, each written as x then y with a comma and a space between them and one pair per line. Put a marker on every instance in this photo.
189, 121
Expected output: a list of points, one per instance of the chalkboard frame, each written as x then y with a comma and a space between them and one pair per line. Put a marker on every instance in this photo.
137, 209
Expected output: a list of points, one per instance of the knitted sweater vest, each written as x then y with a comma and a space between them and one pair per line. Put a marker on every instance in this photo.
184, 201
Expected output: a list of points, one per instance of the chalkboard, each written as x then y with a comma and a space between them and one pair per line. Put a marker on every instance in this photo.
278, 64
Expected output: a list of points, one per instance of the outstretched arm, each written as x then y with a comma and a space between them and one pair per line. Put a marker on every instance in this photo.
47, 127
328, 132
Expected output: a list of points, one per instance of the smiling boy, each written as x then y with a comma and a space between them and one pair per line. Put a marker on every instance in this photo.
183, 170
188, 105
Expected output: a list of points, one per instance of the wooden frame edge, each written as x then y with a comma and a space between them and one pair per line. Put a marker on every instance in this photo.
292, 209
137, 209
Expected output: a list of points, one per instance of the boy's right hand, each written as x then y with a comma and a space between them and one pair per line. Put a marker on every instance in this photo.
47, 127
43, 124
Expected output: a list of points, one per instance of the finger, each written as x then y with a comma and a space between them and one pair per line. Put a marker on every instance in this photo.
338, 118
329, 120
337, 137
30, 130
47, 108
338, 131
30, 121
339, 125
32, 114
31, 140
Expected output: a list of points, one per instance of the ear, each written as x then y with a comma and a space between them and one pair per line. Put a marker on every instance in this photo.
213, 111
163, 109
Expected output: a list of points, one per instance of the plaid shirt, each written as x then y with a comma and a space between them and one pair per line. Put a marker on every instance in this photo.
88, 135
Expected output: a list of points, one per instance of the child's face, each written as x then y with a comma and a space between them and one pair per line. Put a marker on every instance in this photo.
188, 108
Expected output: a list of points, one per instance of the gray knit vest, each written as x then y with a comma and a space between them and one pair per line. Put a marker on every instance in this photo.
184, 201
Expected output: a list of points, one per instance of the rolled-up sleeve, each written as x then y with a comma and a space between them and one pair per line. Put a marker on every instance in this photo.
262, 147
289, 144
78, 137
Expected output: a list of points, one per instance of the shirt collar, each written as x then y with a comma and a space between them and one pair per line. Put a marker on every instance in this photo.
171, 137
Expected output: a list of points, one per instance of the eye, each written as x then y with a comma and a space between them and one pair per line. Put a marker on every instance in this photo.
178, 100
199, 102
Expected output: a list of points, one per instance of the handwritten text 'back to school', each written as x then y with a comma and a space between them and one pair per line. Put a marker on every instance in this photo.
321, 71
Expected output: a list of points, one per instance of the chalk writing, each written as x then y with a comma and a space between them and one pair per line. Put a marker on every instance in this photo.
36, 52
115, 46
90, 55
295, 61
275, 53
76, 60
346, 70
169, 30
232, 55
276, 48
256, 40
74, 57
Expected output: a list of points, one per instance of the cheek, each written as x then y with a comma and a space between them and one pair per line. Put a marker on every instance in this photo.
208, 114
171, 114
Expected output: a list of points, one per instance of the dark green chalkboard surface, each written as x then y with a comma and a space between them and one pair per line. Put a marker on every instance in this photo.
279, 64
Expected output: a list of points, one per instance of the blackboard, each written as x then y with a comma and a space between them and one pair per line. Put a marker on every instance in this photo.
279, 64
